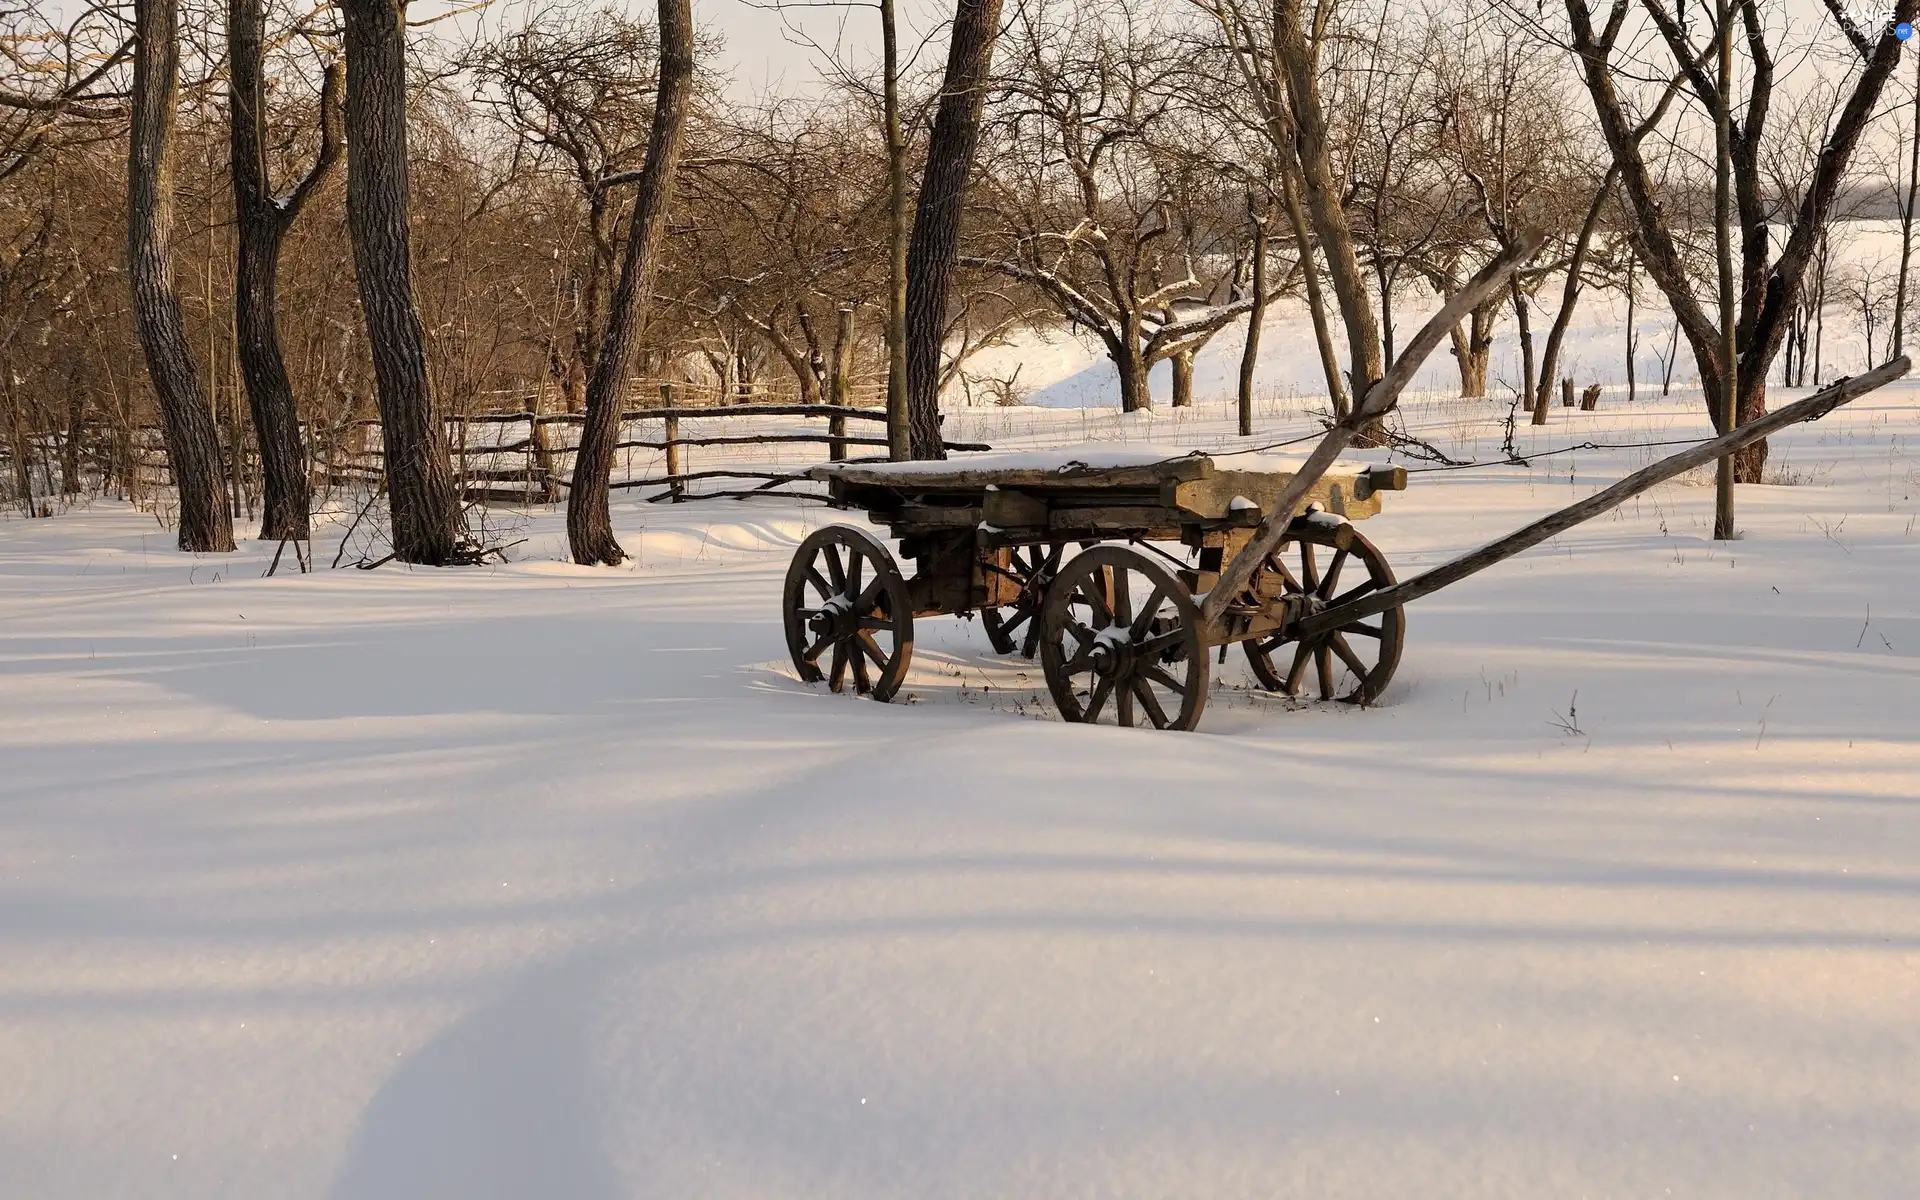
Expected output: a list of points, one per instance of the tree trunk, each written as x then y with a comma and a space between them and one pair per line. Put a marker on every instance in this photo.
1386, 312
1330, 223
262, 221
1250, 350
1134, 392
1570, 289
1473, 349
186, 422
1181, 364
70, 464
1633, 337
899, 416
936, 220
420, 490
1310, 278
589, 520
1906, 223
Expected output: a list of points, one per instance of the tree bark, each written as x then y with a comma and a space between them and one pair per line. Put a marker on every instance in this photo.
589, 520
262, 221
1134, 392
936, 220
420, 490
1181, 364
1250, 350
899, 418
1906, 222
186, 422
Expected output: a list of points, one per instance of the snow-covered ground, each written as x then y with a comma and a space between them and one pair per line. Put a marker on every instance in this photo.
537, 880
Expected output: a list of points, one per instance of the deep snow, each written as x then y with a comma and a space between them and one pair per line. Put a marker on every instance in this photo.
540, 880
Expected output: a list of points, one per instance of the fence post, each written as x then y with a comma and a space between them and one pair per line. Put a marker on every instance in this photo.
670, 434
840, 382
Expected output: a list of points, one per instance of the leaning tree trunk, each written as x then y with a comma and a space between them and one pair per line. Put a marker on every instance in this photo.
1312, 142
263, 220
186, 422
420, 491
936, 218
589, 519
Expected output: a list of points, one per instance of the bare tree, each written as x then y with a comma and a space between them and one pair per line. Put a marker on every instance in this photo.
935, 243
1098, 194
263, 218
193, 441
420, 490
589, 520
1769, 286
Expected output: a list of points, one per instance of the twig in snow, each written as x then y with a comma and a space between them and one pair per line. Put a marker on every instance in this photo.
1569, 723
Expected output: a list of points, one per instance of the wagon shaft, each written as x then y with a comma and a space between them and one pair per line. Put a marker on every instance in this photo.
1811, 409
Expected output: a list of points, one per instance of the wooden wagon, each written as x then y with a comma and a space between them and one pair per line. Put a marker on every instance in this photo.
1127, 630
1063, 554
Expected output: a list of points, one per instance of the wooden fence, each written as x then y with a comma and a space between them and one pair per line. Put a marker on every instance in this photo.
525, 457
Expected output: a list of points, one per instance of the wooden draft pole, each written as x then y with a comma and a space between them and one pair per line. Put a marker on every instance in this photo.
1378, 401
1811, 409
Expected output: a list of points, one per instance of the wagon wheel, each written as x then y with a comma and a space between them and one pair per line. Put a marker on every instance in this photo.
845, 600
1121, 640
1016, 627
1359, 656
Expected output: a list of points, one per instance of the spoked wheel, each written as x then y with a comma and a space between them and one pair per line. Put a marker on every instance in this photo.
847, 613
1017, 626
1352, 663
1122, 642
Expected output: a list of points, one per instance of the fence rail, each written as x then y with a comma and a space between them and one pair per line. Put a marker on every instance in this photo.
525, 457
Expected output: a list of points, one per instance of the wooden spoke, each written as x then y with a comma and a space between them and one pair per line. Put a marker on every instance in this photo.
838, 678
835, 570
1106, 659
861, 682
1163, 677
1357, 591
1347, 656
1122, 612
813, 652
1297, 674
1371, 660
1144, 620
1150, 702
819, 582
1102, 687
1331, 579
